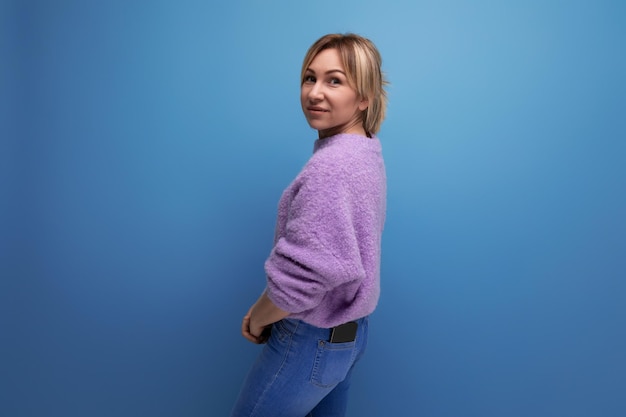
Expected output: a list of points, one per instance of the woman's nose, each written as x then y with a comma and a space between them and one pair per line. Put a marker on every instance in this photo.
315, 93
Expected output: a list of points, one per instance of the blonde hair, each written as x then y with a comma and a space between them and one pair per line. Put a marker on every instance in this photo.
362, 63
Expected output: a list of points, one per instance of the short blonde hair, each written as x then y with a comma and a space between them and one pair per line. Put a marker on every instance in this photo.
362, 63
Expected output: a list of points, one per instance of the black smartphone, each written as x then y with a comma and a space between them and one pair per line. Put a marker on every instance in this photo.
344, 333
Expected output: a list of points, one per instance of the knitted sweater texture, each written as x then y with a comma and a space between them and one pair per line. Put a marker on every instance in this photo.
324, 267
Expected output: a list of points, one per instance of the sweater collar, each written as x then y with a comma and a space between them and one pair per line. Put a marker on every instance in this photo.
372, 142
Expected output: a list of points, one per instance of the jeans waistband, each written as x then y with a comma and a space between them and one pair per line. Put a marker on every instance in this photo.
323, 332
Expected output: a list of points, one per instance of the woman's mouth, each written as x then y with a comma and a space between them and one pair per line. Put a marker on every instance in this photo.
315, 109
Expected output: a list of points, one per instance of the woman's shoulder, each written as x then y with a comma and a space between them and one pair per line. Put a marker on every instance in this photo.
344, 148
342, 163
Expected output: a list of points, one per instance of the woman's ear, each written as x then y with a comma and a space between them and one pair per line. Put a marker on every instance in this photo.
364, 104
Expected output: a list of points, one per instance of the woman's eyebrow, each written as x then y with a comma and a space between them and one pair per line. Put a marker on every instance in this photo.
327, 72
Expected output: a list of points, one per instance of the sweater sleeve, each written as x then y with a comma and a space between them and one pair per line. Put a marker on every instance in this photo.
318, 250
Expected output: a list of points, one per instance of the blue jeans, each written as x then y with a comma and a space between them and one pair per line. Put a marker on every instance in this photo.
300, 373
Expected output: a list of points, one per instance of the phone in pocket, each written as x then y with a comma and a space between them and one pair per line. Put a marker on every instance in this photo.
344, 333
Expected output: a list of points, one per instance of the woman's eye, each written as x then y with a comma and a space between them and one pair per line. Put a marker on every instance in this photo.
309, 79
335, 81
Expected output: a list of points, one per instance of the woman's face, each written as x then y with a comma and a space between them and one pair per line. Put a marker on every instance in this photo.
329, 104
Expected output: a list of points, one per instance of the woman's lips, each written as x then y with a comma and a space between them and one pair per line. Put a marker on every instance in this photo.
316, 110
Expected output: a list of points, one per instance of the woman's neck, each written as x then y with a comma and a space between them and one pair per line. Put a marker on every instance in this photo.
355, 129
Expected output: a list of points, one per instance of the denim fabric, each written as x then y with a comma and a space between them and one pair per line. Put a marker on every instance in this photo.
299, 373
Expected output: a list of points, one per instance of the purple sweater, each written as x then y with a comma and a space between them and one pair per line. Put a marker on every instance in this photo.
325, 265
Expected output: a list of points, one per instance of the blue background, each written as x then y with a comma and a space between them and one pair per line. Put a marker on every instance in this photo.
146, 145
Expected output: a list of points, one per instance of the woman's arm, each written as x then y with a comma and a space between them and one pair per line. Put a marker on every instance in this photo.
261, 315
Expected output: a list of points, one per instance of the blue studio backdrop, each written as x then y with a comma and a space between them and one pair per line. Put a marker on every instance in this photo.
145, 146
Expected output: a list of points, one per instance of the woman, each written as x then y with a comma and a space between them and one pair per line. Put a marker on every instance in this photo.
323, 274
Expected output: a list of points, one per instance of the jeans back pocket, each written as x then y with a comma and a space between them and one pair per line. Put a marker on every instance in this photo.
332, 362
